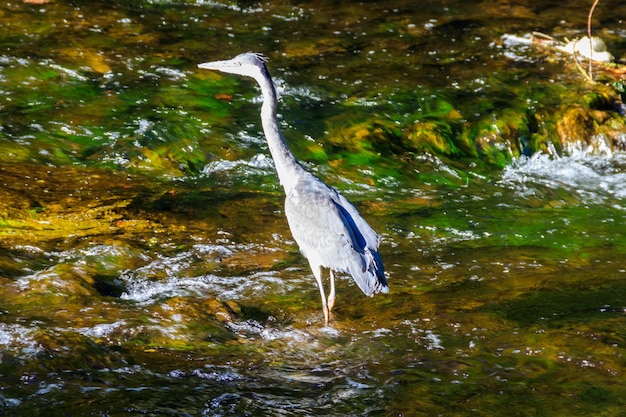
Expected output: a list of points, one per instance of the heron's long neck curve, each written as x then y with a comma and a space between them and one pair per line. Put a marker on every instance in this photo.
287, 167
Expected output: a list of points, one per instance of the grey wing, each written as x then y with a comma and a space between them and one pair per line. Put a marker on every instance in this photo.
374, 274
371, 238
331, 233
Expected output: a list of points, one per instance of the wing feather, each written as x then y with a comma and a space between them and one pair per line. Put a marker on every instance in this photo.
331, 233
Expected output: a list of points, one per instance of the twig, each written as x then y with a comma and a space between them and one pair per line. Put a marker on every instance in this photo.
588, 76
595, 3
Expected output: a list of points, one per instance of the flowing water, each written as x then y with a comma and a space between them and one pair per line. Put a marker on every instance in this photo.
146, 265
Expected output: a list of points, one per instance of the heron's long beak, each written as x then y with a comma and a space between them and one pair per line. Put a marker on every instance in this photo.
209, 65
216, 65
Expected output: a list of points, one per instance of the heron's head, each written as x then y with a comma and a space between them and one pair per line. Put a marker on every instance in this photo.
249, 64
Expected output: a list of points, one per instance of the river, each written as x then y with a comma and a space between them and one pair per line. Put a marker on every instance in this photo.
146, 264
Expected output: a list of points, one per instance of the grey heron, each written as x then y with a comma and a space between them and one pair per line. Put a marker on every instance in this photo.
328, 229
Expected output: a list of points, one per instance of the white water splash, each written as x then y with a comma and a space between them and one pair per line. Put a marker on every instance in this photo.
141, 285
252, 329
593, 172
144, 290
259, 162
103, 330
18, 339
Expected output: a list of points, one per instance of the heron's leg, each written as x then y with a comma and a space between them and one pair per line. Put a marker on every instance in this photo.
331, 295
317, 272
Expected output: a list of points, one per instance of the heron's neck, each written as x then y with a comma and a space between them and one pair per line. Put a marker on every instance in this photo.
287, 167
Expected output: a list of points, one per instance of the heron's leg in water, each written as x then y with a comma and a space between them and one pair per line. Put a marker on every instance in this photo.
317, 272
331, 295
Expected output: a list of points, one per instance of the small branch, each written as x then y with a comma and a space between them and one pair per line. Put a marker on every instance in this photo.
595, 3
588, 76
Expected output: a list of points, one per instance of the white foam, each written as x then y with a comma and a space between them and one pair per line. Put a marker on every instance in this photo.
259, 162
593, 172
141, 285
18, 339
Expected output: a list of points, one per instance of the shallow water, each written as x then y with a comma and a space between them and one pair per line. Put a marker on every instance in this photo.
147, 268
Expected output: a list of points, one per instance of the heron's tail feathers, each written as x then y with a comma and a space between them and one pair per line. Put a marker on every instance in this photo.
368, 272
